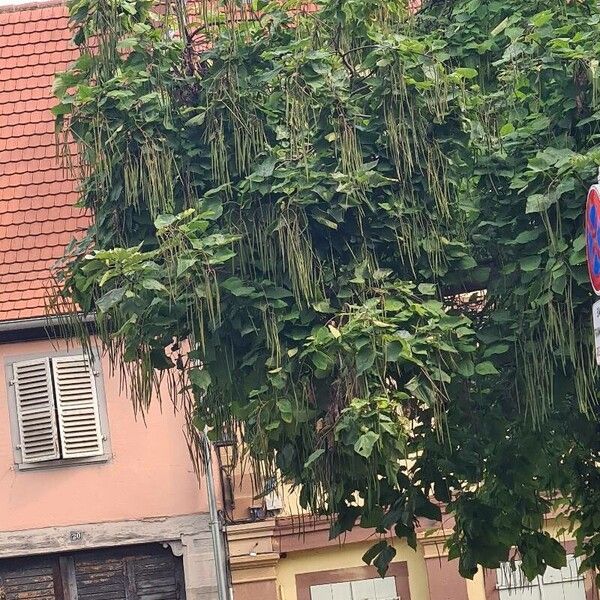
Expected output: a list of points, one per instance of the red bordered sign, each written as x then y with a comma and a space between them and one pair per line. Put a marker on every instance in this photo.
592, 236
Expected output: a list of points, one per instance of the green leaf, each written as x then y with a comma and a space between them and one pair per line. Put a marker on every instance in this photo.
530, 564
579, 243
527, 236
365, 443
197, 120
320, 360
183, 264
321, 218
500, 27
323, 306
200, 378
427, 289
237, 287
373, 551
153, 284
160, 360
110, 299
496, 349
542, 18
286, 409
465, 367
314, 456
383, 560
555, 554
486, 368
267, 167
530, 263
393, 350
467, 565
466, 73
365, 359
538, 203
220, 256
284, 405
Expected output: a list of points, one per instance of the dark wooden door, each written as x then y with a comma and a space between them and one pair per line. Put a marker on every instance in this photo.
134, 573
36, 578
148, 572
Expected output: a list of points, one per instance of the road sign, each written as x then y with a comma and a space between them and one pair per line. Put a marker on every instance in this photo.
592, 236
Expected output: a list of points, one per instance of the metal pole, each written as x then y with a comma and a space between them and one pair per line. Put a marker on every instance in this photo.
223, 591
215, 524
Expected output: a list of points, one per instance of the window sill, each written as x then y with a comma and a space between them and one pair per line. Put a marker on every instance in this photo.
62, 463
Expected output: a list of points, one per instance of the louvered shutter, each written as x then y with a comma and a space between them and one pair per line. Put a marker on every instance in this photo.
157, 575
35, 410
101, 575
31, 578
147, 572
77, 407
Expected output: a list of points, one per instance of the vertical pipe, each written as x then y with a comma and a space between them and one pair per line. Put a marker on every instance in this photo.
220, 557
215, 524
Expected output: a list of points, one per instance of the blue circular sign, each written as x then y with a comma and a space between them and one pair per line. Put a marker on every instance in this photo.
592, 235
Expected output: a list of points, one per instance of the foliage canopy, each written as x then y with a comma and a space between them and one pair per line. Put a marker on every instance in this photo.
357, 232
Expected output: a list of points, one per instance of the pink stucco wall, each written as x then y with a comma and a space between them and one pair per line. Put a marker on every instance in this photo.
149, 474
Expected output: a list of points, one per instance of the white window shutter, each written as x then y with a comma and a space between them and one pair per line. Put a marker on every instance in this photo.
77, 407
35, 410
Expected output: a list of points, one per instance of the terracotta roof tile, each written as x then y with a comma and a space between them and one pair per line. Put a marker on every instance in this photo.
37, 195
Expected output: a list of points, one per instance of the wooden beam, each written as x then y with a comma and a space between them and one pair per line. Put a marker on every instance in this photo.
67, 573
50, 540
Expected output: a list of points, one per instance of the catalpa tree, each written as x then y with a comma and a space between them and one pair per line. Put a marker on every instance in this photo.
352, 234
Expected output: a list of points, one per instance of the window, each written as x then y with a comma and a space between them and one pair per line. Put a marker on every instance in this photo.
554, 584
363, 589
354, 583
56, 411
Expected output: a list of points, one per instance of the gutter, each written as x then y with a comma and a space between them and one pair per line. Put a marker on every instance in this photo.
224, 592
38, 323
40, 328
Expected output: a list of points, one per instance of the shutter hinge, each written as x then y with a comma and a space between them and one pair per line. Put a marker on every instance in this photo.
96, 373
18, 446
11, 382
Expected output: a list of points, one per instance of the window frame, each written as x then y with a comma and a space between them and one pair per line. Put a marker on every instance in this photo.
492, 585
350, 587
539, 582
398, 570
20, 465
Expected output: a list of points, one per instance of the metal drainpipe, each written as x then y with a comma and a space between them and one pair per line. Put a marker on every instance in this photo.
223, 590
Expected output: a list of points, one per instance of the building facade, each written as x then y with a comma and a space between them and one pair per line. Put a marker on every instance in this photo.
95, 504
291, 558
278, 552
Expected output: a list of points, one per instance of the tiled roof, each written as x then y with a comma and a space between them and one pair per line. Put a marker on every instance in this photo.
37, 196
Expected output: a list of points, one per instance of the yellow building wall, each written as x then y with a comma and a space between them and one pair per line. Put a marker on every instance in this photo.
346, 556
476, 588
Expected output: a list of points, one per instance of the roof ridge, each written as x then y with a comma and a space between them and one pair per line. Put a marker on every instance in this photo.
9, 8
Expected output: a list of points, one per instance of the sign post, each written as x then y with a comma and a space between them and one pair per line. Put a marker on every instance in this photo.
592, 246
